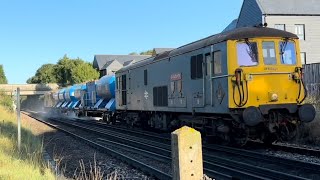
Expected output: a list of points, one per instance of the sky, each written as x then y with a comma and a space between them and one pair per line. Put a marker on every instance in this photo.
36, 32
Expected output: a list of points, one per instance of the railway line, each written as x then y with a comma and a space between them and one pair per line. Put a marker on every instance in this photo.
219, 161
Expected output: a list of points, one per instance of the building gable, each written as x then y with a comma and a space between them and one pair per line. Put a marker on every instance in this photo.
250, 14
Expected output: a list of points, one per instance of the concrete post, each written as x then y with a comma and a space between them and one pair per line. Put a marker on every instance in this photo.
186, 154
18, 118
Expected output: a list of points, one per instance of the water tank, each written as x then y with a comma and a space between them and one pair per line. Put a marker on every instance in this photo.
106, 87
81, 89
66, 94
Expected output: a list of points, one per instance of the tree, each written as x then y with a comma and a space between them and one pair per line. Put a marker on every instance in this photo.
83, 72
66, 72
3, 78
45, 74
149, 52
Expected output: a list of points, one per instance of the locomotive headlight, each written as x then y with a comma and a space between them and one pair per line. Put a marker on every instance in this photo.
273, 96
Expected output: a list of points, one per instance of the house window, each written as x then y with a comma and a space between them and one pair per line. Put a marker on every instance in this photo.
196, 66
103, 72
303, 57
145, 77
300, 31
280, 27
217, 62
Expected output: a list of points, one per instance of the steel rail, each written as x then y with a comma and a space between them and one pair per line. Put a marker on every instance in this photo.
144, 167
262, 172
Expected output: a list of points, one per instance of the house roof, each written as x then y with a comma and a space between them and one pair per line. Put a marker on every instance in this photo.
289, 7
128, 62
100, 61
109, 63
231, 26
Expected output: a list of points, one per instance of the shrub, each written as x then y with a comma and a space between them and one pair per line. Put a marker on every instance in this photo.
6, 101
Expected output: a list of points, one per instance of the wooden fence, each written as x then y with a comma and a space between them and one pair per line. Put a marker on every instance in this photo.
312, 80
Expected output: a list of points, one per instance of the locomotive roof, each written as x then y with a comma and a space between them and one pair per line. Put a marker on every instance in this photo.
239, 33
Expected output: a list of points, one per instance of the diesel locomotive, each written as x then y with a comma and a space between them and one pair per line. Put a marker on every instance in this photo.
238, 85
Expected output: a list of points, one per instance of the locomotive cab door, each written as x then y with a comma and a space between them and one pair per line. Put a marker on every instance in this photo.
208, 78
124, 90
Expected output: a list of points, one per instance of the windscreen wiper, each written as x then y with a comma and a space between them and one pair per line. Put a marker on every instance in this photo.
251, 52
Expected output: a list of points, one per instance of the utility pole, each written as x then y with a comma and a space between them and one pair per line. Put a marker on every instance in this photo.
18, 118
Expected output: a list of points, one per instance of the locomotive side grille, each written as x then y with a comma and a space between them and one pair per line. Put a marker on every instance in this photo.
160, 96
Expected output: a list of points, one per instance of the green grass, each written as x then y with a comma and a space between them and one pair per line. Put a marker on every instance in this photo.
26, 163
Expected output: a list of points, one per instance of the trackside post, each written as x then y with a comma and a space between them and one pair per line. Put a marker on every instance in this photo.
18, 118
186, 154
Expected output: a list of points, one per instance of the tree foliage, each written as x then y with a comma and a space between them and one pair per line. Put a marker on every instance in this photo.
83, 72
149, 52
3, 78
66, 72
45, 74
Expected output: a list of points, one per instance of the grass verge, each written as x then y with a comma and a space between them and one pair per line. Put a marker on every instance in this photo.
24, 164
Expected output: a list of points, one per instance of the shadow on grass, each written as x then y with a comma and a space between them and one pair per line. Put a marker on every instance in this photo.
31, 145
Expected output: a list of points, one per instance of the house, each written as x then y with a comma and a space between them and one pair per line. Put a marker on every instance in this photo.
297, 16
109, 64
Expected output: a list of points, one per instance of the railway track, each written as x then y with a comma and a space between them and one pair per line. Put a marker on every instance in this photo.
286, 148
134, 162
219, 161
166, 138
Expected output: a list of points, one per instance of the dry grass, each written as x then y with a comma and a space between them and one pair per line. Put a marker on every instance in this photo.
26, 163
93, 173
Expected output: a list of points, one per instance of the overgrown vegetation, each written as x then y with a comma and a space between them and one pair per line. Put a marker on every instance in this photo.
3, 78
310, 132
26, 163
6, 101
148, 52
66, 72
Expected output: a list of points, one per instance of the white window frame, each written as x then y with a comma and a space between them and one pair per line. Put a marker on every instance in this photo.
303, 56
300, 30
276, 26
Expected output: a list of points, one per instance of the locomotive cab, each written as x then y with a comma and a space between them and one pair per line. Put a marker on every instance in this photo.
267, 84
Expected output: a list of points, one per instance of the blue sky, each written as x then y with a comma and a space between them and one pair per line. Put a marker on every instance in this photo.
35, 32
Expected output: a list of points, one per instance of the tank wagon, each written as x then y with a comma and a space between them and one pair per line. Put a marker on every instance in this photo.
98, 98
238, 85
